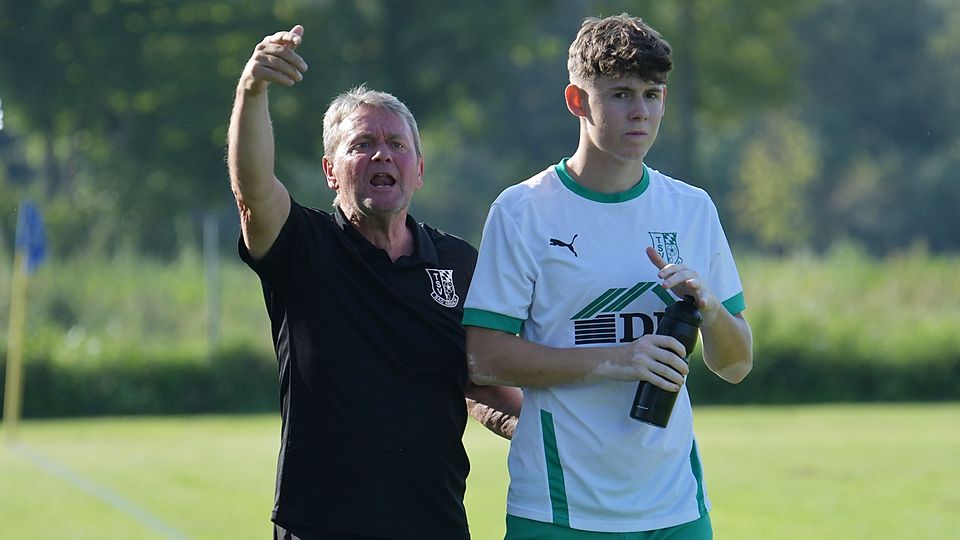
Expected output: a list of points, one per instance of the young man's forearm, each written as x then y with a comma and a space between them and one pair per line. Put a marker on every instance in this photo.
492, 355
499, 358
728, 346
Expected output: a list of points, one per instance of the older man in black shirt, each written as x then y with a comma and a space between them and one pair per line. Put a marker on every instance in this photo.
365, 306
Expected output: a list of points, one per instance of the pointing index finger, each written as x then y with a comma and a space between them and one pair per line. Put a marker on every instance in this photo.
655, 257
292, 38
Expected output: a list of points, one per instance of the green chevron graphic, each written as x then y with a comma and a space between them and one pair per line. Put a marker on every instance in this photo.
615, 299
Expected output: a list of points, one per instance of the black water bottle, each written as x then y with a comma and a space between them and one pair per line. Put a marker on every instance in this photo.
681, 320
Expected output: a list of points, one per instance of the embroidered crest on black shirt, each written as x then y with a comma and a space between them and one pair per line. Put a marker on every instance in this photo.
443, 291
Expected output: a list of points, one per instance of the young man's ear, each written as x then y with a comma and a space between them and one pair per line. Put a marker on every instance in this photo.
576, 99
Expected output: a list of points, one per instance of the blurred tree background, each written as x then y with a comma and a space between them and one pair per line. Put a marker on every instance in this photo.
811, 122
827, 131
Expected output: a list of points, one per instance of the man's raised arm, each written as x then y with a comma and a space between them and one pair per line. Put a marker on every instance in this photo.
262, 200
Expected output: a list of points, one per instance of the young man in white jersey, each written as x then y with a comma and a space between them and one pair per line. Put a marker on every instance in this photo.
576, 267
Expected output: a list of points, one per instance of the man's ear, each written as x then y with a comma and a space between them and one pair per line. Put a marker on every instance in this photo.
576, 99
332, 182
420, 173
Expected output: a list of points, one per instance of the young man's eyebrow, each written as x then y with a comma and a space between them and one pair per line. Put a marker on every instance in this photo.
645, 87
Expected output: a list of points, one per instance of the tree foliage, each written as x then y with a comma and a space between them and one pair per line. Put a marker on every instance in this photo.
771, 196
116, 110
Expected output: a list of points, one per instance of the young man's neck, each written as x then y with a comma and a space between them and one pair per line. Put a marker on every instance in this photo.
603, 173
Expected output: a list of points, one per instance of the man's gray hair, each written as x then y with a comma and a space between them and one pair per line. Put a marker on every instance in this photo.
348, 102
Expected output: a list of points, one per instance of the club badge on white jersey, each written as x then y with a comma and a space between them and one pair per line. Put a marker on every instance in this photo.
666, 245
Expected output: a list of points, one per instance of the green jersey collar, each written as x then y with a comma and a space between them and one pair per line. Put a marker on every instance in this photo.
572, 185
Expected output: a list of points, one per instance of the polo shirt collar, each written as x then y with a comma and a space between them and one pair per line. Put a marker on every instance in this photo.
424, 252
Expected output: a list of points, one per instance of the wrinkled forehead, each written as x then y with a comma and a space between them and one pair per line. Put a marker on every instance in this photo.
369, 121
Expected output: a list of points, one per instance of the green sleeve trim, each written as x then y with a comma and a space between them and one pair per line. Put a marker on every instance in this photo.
735, 304
491, 320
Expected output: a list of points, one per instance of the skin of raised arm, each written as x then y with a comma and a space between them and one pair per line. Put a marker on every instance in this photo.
263, 202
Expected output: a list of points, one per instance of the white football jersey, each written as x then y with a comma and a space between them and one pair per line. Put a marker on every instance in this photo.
564, 266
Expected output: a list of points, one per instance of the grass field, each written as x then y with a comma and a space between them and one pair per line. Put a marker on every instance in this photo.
775, 473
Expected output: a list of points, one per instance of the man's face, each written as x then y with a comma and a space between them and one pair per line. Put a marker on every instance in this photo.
623, 115
375, 169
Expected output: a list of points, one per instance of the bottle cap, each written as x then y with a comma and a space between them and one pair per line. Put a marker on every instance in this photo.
686, 310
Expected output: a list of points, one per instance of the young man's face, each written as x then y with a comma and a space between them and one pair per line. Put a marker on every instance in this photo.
375, 170
623, 115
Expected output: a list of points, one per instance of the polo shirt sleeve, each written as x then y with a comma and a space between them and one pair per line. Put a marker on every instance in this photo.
724, 279
502, 288
279, 258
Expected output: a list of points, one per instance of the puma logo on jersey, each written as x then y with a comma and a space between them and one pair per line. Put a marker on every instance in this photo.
561, 243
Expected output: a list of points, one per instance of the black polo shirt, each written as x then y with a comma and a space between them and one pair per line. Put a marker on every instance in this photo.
372, 369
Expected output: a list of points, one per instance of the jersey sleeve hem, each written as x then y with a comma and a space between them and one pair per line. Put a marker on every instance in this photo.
735, 304
491, 320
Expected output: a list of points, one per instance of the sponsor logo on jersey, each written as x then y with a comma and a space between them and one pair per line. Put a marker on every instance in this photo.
442, 289
604, 321
561, 243
666, 245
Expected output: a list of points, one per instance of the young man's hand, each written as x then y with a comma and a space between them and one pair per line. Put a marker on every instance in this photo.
683, 281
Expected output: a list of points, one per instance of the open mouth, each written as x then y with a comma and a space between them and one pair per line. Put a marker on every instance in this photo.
382, 180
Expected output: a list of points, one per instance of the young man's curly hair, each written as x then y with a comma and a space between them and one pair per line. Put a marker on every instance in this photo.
618, 46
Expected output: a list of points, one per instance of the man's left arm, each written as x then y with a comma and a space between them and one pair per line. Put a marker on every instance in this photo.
497, 408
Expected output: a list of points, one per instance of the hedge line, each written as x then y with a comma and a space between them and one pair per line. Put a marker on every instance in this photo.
241, 382
790, 376
231, 382
129, 335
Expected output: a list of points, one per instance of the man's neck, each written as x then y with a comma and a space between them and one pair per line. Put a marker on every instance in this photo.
603, 173
389, 233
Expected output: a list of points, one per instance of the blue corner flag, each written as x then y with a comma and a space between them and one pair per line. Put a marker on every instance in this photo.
31, 238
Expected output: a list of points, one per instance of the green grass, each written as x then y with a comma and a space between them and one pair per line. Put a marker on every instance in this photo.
846, 472
785, 473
